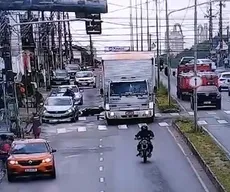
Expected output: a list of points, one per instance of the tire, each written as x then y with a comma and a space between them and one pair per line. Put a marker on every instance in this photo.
10, 177
218, 106
53, 174
94, 86
110, 122
145, 157
74, 118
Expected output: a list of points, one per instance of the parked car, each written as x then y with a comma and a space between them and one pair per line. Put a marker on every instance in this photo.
72, 69
85, 78
78, 93
223, 81
207, 96
60, 77
31, 157
60, 109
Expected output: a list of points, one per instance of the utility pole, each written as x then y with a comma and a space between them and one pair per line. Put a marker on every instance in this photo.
221, 34
70, 39
142, 48
228, 36
60, 42
53, 45
137, 31
131, 27
65, 39
157, 33
147, 8
210, 16
91, 51
195, 64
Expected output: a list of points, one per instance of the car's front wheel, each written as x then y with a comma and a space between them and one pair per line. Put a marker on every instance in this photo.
53, 174
10, 177
74, 118
218, 105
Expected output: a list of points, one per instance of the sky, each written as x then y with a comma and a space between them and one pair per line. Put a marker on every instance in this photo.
116, 23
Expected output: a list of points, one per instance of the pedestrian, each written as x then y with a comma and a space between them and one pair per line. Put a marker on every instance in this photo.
38, 97
36, 123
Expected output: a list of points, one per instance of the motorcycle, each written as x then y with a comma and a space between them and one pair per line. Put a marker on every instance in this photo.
144, 148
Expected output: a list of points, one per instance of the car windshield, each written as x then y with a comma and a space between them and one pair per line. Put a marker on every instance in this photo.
62, 74
63, 89
58, 101
207, 89
84, 74
29, 148
128, 88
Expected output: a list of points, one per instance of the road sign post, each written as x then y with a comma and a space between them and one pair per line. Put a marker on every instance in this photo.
195, 82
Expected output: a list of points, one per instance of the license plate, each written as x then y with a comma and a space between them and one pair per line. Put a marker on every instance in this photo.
129, 112
84, 83
207, 102
58, 83
31, 170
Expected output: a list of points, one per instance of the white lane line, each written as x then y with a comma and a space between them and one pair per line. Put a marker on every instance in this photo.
122, 127
102, 180
222, 122
174, 114
227, 112
102, 128
82, 118
211, 113
202, 122
101, 168
101, 154
100, 139
101, 159
163, 124
158, 115
189, 161
100, 146
81, 129
61, 130
71, 156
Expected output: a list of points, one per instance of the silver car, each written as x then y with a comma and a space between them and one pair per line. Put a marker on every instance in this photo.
60, 109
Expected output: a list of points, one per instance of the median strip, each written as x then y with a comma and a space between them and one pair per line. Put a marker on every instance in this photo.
162, 101
212, 158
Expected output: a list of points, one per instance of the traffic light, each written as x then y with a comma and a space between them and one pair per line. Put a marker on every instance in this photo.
93, 27
166, 71
161, 64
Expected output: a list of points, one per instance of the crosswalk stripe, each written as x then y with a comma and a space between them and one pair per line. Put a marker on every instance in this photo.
61, 130
122, 127
81, 129
82, 118
102, 127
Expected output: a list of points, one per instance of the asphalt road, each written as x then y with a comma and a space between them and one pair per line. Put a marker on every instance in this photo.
93, 157
217, 122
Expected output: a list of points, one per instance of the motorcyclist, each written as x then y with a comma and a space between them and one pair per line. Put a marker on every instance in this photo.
69, 92
5, 146
144, 133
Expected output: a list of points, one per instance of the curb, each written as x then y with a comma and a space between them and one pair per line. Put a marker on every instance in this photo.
206, 168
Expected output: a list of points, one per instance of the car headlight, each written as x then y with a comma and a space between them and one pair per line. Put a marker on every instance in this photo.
12, 162
47, 160
112, 114
78, 96
70, 110
146, 112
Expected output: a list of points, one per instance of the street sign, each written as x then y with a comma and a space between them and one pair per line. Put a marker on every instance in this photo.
93, 27
83, 6
195, 82
117, 49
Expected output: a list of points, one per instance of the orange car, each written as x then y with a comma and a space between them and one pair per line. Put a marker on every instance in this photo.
30, 157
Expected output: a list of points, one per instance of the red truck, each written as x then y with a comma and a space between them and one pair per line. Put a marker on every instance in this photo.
185, 72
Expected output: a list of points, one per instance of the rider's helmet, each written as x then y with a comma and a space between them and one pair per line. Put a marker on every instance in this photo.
144, 127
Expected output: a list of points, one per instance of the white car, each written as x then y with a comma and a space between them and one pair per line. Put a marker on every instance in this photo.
224, 81
85, 78
205, 61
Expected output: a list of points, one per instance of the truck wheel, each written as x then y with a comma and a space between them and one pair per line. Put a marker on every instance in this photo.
218, 105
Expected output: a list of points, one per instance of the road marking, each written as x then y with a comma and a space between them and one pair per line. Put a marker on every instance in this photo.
81, 129
102, 180
100, 139
122, 127
163, 124
102, 127
189, 161
222, 121
100, 168
202, 122
101, 154
100, 146
158, 115
72, 156
61, 130
211, 113
82, 118
228, 112
174, 114
191, 113
101, 159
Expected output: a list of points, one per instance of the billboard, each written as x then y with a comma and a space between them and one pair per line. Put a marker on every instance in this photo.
84, 6
117, 49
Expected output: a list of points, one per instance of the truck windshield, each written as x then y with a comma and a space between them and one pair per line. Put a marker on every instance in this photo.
128, 88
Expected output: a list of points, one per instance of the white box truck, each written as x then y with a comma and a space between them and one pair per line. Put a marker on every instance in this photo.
129, 86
